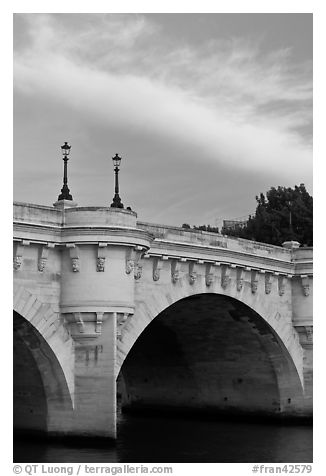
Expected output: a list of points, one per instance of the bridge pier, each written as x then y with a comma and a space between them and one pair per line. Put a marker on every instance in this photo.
97, 292
306, 341
94, 413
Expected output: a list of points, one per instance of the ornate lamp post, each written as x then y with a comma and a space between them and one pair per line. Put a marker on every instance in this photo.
116, 199
290, 219
291, 243
65, 195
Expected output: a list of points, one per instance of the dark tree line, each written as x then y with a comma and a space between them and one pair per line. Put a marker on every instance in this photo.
283, 214
212, 229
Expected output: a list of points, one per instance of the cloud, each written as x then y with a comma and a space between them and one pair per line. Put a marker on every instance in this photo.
226, 100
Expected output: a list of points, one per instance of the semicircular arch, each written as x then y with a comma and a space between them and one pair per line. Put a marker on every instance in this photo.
155, 303
45, 320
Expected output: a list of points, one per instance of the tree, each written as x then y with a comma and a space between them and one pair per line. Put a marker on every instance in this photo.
212, 229
284, 214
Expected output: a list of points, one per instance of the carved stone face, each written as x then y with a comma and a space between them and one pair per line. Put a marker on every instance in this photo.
254, 286
41, 264
281, 290
225, 281
209, 279
18, 262
239, 284
306, 289
192, 278
268, 288
129, 266
156, 274
100, 264
138, 272
175, 276
75, 264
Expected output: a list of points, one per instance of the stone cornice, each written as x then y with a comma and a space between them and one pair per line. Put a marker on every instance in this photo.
36, 228
114, 235
119, 235
90, 306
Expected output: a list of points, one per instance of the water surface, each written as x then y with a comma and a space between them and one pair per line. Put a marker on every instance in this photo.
153, 439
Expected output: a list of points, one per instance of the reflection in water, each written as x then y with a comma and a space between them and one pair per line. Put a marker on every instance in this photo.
174, 440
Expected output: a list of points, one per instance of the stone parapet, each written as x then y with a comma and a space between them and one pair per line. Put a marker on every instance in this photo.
178, 235
72, 216
100, 216
36, 214
303, 261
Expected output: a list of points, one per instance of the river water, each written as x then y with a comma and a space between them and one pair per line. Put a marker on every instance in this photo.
153, 439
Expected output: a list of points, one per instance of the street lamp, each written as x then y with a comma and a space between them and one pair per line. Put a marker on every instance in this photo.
290, 219
116, 199
65, 195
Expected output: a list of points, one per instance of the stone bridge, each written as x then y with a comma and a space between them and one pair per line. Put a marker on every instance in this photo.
176, 319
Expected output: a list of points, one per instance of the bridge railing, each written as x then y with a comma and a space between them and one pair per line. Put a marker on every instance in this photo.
38, 214
204, 238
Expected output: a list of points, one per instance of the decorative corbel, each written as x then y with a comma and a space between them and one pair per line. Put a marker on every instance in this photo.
85, 325
99, 322
138, 269
101, 257
130, 260
157, 266
133, 256
254, 281
281, 284
100, 264
18, 258
225, 276
79, 321
74, 256
175, 270
130, 264
305, 285
209, 275
268, 283
43, 258
240, 278
192, 272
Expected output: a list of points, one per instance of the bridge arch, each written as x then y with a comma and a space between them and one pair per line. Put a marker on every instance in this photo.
211, 351
43, 368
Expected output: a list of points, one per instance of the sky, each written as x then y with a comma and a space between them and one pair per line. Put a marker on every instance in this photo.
206, 110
